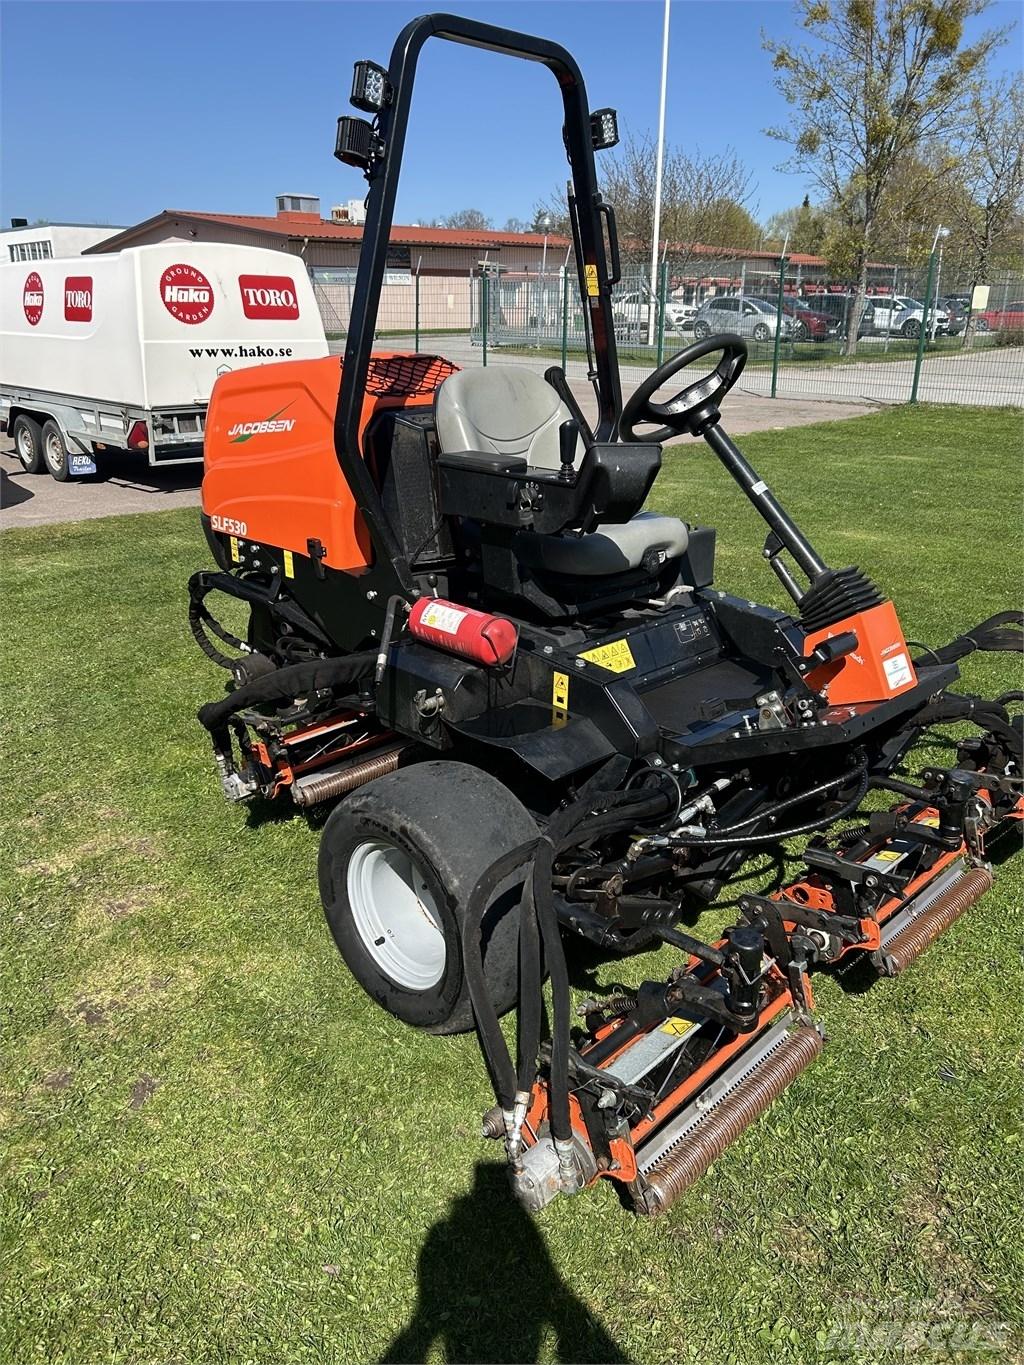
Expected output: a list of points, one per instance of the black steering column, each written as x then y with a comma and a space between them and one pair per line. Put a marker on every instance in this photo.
696, 411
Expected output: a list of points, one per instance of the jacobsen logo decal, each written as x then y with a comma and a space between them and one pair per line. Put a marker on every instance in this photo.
32, 299
78, 298
269, 297
245, 431
186, 293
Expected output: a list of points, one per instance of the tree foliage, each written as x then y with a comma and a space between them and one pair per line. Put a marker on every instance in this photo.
877, 82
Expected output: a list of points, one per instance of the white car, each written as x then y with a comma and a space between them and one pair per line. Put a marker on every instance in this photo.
901, 316
632, 313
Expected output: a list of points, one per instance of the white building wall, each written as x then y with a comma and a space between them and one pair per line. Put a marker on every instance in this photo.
52, 241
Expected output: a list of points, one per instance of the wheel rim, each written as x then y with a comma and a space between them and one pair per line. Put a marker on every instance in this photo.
396, 915
25, 446
761, 332
54, 451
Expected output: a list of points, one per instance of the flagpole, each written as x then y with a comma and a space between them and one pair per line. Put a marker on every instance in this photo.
659, 168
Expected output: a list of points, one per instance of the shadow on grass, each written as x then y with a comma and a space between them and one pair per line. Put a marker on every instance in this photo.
489, 1291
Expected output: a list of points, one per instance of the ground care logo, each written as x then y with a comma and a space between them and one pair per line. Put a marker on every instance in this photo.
186, 293
32, 299
245, 431
78, 298
269, 297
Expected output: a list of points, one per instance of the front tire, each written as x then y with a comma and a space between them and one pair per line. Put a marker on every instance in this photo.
28, 443
911, 328
762, 332
55, 452
701, 330
399, 859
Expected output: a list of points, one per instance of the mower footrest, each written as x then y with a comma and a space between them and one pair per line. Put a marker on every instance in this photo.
680, 1153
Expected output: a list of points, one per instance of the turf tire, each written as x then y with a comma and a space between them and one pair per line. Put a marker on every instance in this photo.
453, 821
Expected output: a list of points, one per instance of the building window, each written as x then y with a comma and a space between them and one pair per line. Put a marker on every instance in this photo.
31, 251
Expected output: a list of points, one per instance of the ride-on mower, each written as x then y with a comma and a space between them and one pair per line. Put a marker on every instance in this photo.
538, 717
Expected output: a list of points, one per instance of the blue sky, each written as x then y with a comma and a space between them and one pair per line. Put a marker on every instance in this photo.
111, 112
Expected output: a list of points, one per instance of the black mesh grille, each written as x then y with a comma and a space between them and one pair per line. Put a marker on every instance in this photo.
402, 376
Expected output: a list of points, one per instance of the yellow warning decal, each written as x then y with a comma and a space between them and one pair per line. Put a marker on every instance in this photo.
887, 855
289, 564
560, 691
932, 820
616, 657
676, 1027
234, 549
590, 276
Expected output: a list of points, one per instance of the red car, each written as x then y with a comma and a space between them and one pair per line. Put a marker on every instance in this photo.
808, 324
1008, 318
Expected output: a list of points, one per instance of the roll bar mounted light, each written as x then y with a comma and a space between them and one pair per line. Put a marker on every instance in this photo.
358, 142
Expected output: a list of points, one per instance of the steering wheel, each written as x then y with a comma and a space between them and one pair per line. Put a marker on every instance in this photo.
689, 408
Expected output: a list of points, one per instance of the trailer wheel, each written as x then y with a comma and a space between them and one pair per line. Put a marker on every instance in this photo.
55, 452
28, 443
399, 859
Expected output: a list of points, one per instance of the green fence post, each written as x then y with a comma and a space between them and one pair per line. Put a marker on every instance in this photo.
565, 319
662, 294
778, 325
924, 329
417, 307
483, 315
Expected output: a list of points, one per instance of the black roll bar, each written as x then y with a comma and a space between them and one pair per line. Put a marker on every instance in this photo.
392, 123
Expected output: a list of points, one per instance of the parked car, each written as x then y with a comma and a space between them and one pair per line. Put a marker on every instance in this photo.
1008, 318
958, 311
632, 313
900, 315
808, 324
750, 317
837, 307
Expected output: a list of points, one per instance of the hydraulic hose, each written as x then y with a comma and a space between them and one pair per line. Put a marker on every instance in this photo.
531, 1003
561, 1126
293, 680
777, 835
797, 800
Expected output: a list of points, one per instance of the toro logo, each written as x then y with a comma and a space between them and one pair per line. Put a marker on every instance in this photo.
186, 293
78, 298
269, 297
32, 299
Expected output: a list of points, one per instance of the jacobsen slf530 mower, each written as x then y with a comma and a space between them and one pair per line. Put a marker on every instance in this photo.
542, 719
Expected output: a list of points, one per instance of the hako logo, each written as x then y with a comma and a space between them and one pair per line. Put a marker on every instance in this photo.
78, 298
32, 299
186, 293
269, 297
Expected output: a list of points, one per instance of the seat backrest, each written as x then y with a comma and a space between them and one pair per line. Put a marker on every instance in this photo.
502, 410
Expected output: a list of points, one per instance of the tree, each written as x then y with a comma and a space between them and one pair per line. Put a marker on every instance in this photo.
878, 81
985, 212
472, 220
703, 201
804, 225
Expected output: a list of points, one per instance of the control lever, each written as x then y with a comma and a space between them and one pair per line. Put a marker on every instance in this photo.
568, 437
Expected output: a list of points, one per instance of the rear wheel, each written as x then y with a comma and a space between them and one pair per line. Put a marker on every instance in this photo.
399, 859
28, 443
762, 332
55, 452
701, 330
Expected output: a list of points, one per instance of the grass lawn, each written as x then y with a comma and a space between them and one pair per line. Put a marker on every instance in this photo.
215, 1148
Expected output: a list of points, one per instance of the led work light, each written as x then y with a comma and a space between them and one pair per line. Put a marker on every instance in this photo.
371, 89
356, 144
604, 128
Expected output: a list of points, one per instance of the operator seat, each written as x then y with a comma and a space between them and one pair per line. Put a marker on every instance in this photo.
513, 412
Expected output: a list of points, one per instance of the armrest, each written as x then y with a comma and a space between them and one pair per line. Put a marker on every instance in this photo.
480, 460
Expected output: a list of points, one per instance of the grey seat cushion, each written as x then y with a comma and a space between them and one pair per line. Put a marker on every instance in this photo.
610, 549
503, 410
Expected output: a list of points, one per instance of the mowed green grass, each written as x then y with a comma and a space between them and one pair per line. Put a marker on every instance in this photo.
215, 1148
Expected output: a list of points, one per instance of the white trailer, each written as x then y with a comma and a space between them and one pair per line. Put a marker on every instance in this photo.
120, 351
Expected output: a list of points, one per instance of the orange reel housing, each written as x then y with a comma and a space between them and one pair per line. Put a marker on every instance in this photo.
272, 475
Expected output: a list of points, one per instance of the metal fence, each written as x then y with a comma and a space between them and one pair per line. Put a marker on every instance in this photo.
918, 337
